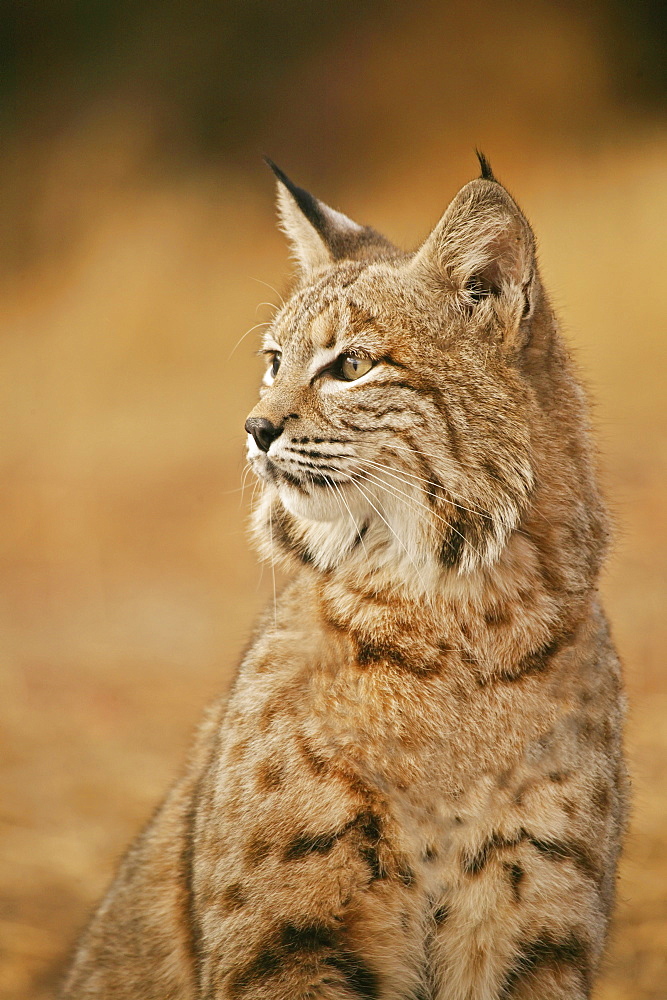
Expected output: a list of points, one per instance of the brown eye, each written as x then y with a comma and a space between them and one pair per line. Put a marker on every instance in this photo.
275, 365
351, 367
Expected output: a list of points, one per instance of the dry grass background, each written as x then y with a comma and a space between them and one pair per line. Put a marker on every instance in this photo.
128, 586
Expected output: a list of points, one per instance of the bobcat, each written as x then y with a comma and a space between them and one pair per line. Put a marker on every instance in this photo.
416, 786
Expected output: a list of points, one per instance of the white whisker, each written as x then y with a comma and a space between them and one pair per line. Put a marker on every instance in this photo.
273, 572
244, 481
427, 482
271, 288
246, 334
394, 491
399, 540
358, 530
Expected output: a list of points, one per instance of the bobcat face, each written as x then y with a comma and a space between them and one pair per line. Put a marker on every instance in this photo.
394, 423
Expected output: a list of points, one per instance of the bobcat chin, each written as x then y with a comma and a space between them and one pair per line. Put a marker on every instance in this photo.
415, 789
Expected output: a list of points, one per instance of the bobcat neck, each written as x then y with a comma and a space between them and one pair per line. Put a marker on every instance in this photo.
479, 625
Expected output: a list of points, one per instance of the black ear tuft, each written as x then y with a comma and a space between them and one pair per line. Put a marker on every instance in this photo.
487, 172
304, 199
319, 234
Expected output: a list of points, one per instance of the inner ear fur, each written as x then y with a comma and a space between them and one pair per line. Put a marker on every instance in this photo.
482, 249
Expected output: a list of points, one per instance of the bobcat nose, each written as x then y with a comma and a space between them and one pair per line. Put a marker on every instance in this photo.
263, 431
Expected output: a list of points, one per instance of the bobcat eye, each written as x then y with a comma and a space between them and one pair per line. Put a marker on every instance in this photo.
275, 365
351, 367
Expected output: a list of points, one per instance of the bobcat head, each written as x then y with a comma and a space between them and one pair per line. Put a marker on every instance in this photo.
404, 392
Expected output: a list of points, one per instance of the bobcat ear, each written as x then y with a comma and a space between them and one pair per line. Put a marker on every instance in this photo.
482, 248
318, 234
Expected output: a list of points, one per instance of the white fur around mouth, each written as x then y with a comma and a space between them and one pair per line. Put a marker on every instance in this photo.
311, 502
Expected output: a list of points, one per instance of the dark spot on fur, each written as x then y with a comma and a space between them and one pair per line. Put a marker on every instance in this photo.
307, 939
297, 483
546, 952
281, 525
268, 714
257, 850
318, 940
451, 549
359, 977
497, 615
430, 853
234, 897
317, 764
306, 947
601, 797
537, 662
305, 843
473, 864
266, 964
494, 473
569, 808
237, 752
552, 579
558, 776
361, 534
372, 859
516, 875
570, 850
441, 914
270, 776
371, 654
369, 826
596, 732
555, 850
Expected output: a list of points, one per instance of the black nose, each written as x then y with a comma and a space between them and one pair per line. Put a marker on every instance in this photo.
263, 431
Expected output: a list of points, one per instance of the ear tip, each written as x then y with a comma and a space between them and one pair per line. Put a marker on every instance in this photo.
485, 167
276, 169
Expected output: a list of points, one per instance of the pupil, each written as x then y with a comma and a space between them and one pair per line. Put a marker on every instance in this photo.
276, 365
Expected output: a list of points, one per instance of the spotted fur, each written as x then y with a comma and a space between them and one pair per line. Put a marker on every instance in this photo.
415, 789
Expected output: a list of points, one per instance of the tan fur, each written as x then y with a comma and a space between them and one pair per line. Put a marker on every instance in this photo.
416, 787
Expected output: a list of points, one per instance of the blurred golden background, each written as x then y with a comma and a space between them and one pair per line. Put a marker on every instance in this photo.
137, 235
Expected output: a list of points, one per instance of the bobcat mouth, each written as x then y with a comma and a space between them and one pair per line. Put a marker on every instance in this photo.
299, 481
312, 478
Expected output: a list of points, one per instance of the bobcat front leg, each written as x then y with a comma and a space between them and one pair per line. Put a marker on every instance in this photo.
526, 919
298, 887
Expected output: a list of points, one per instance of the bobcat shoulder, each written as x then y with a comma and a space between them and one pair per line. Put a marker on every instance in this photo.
416, 787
